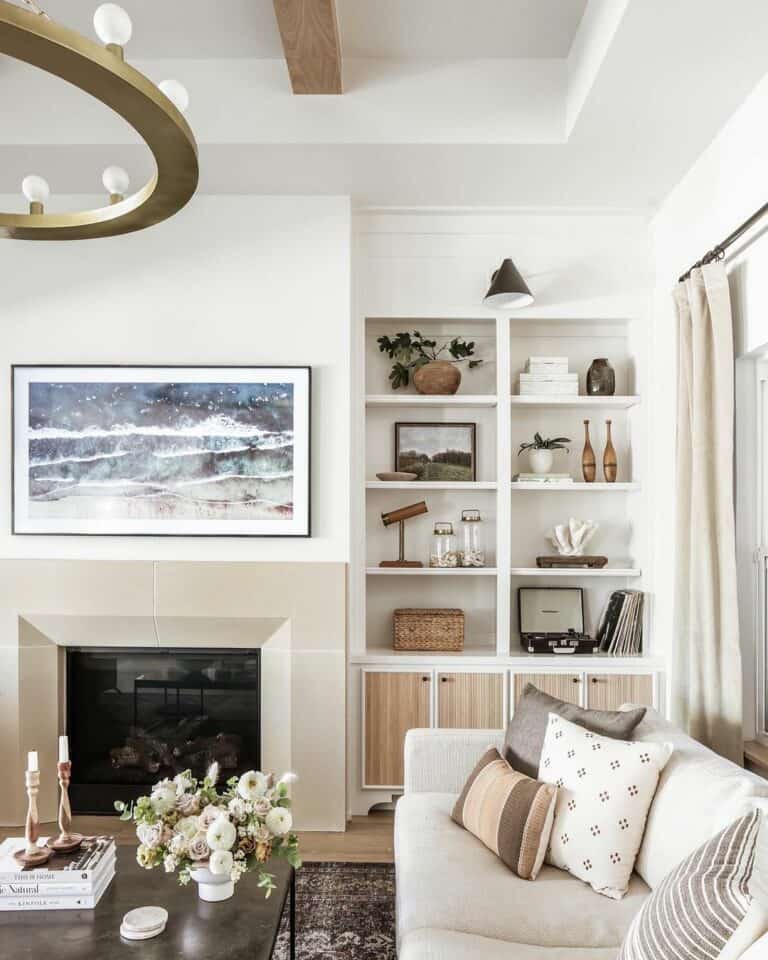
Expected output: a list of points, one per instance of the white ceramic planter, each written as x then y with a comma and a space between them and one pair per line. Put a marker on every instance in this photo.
212, 887
541, 460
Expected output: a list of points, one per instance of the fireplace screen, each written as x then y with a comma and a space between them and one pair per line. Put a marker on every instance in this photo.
135, 716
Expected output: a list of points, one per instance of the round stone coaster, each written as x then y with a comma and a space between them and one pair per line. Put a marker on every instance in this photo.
128, 934
145, 920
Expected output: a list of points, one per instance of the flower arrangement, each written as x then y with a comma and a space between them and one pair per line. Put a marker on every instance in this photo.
186, 824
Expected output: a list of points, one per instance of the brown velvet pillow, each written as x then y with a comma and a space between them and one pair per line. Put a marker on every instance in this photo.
525, 732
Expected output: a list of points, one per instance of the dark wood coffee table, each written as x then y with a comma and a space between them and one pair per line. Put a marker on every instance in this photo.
244, 927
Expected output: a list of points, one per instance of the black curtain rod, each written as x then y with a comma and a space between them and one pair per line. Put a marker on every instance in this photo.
718, 252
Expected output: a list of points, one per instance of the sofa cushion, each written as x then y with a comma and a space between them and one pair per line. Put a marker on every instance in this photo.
508, 812
758, 950
699, 794
694, 913
528, 726
447, 880
606, 789
430, 944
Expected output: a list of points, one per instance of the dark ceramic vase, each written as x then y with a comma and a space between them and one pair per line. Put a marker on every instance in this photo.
601, 380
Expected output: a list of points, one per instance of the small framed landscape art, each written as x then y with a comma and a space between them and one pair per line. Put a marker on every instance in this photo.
436, 451
161, 451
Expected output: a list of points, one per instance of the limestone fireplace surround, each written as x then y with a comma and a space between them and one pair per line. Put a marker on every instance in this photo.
294, 612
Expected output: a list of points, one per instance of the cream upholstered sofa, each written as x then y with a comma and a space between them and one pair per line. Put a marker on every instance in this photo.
457, 901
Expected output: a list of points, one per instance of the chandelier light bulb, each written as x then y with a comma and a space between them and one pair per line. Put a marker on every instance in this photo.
112, 25
116, 183
37, 191
176, 93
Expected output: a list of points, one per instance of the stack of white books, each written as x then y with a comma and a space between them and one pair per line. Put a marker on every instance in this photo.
73, 881
542, 478
548, 377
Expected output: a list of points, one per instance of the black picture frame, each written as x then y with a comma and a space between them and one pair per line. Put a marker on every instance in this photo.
425, 425
306, 526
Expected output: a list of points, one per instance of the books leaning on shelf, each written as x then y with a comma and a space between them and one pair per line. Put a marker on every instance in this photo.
74, 881
621, 626
542, 478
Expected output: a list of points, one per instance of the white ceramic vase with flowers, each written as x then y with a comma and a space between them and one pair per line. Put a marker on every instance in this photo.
213, 837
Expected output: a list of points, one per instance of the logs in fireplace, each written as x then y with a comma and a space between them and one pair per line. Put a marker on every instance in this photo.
135, 716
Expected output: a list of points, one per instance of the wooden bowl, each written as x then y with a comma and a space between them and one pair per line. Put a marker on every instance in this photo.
396, 476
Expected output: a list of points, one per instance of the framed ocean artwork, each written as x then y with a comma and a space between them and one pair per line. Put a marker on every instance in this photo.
161, 451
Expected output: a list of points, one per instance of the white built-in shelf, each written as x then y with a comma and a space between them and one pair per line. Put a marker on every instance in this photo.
423, 400
527, 486
575, 572
432, 485
521, 660
598, 403
431, 571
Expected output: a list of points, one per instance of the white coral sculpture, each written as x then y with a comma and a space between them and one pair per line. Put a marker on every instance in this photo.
569, 539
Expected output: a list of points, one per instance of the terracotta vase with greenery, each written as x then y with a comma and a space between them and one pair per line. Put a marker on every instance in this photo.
420, 359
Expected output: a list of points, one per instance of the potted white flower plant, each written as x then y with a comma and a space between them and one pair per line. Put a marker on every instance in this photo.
540, 455
213, 837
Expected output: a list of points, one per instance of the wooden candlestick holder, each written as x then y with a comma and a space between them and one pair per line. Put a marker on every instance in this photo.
33, 855
66, 841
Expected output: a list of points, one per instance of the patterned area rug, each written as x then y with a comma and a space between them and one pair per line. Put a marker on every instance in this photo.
344, 911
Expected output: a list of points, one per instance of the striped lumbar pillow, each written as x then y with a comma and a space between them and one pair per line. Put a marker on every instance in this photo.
693, 913
509, 812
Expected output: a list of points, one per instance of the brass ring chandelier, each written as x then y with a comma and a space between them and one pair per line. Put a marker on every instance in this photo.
155, 112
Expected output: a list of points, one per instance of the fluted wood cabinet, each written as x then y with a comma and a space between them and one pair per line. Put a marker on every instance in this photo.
564, 686
470, 700
394, 702
609, 691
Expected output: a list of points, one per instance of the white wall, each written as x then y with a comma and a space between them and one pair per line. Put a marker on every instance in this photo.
229, 280
724, 187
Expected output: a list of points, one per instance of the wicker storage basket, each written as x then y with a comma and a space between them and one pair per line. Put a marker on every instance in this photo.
420, 629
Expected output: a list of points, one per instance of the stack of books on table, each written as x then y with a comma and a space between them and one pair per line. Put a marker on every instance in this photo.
548, 377
68, 881
621, 627
542, 478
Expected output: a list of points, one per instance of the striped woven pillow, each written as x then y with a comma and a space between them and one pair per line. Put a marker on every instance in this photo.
693, 913
508, 812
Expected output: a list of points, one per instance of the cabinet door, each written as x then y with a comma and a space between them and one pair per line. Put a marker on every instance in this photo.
394, 703
609, 691
470, 700
564, 686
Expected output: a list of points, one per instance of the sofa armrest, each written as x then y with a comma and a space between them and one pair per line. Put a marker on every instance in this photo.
439, 761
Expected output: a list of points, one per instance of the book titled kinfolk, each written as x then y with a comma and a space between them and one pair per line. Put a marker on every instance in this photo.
73, 881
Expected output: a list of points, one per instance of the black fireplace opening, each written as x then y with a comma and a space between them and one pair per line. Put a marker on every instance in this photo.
136, 716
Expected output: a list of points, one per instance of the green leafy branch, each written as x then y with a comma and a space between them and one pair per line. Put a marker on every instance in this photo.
411, 351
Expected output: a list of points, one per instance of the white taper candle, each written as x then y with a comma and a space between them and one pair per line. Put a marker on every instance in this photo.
63, 749
32, 766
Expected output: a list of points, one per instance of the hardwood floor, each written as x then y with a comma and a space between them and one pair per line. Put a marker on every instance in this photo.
366, 840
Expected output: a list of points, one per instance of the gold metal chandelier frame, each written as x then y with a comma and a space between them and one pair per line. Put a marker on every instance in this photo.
101, 72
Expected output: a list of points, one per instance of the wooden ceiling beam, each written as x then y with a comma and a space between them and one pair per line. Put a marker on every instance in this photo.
310, 34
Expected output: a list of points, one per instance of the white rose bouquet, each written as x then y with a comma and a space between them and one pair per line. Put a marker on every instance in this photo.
185, 824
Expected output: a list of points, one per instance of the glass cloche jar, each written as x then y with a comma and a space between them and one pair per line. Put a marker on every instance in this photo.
472, 552
443, 552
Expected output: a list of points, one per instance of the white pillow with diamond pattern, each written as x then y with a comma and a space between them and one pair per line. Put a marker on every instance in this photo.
606, 788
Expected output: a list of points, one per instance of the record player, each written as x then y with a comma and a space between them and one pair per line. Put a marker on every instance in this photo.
552, 620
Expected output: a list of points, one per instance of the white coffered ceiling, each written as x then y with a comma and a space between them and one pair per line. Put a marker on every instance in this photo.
395, 29
540, 102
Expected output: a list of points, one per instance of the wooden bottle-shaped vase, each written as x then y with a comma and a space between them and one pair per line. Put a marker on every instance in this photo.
610, 466
588, 465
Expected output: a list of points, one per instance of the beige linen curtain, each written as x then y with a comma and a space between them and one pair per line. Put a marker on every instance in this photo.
706, 665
